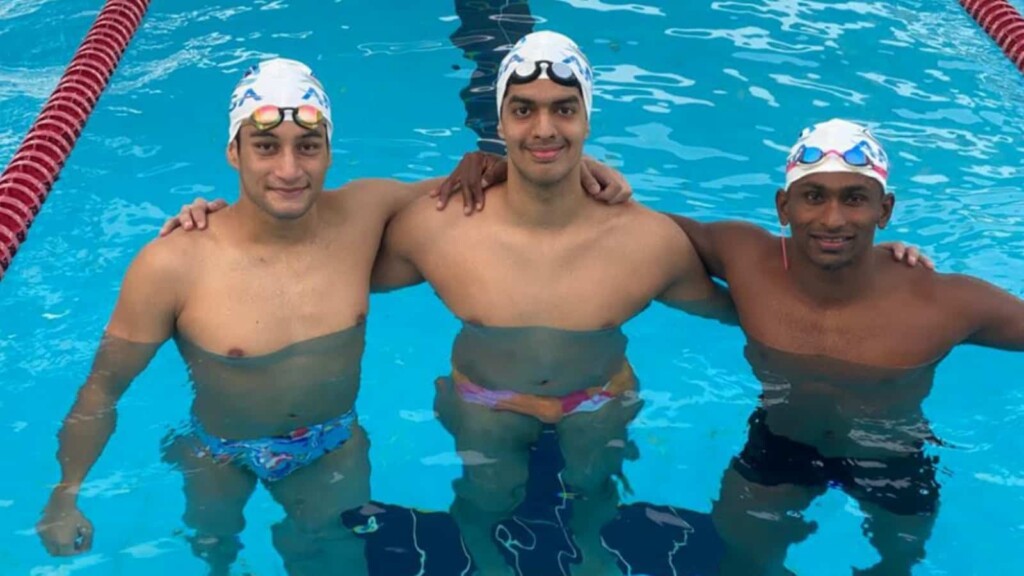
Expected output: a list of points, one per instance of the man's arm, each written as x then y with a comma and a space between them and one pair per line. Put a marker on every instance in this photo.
479, 170
395, 195
473, 175
384, 200
391, 195
691, 289
394, 268
999, 315
716, 243
697, 294
143, 319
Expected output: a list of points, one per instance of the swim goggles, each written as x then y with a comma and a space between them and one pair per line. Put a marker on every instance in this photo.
529, 70
856, 157
269, 117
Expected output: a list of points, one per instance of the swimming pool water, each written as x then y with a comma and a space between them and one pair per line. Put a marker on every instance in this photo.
695, 103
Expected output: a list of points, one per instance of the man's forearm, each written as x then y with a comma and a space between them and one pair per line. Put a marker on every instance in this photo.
84, 434
91, 421
718, 306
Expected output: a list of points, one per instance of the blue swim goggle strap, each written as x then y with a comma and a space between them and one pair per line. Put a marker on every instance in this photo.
529, 70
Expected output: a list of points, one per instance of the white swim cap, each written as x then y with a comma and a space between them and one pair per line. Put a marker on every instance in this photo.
277, 82
837, 146
564, 56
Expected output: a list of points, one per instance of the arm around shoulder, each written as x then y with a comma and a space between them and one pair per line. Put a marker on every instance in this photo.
394, 266
391, 196
718, 243
691, 289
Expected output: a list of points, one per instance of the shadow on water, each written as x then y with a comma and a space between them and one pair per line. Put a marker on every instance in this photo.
648, 539
488, 28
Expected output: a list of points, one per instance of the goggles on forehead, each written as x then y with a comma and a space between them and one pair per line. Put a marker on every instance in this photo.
529, 70
856, 157
269, 117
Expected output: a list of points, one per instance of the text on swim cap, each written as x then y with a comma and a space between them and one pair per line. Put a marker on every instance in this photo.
311, 93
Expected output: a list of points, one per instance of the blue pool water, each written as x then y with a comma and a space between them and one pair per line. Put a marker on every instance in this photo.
695, 103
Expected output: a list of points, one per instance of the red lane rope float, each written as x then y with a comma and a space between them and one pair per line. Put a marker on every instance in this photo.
26, 181
1000, 20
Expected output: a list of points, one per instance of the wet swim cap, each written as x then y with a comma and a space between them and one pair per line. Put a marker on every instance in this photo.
552, 47
837, 146
277, 82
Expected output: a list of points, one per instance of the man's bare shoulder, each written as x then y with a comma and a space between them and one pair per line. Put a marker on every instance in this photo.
953, 286
423, 212
639, 219
640, 228
185, 250
170, 260
931, 286
420, 224
180, 245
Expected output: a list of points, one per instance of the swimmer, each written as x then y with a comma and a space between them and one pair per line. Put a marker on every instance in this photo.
542, 297
845, 343
274, 385
275, 363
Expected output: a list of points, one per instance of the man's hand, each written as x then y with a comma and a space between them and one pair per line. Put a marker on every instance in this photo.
475, 172
63, 529
480, 170
604, 182
192, 215
910, 255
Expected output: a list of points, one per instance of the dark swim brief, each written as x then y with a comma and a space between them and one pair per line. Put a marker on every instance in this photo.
903, 485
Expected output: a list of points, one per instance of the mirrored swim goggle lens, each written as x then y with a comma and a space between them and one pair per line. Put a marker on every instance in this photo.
269, 117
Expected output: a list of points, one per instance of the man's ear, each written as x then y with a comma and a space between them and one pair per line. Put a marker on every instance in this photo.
232, 151
782, 206
888, 204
